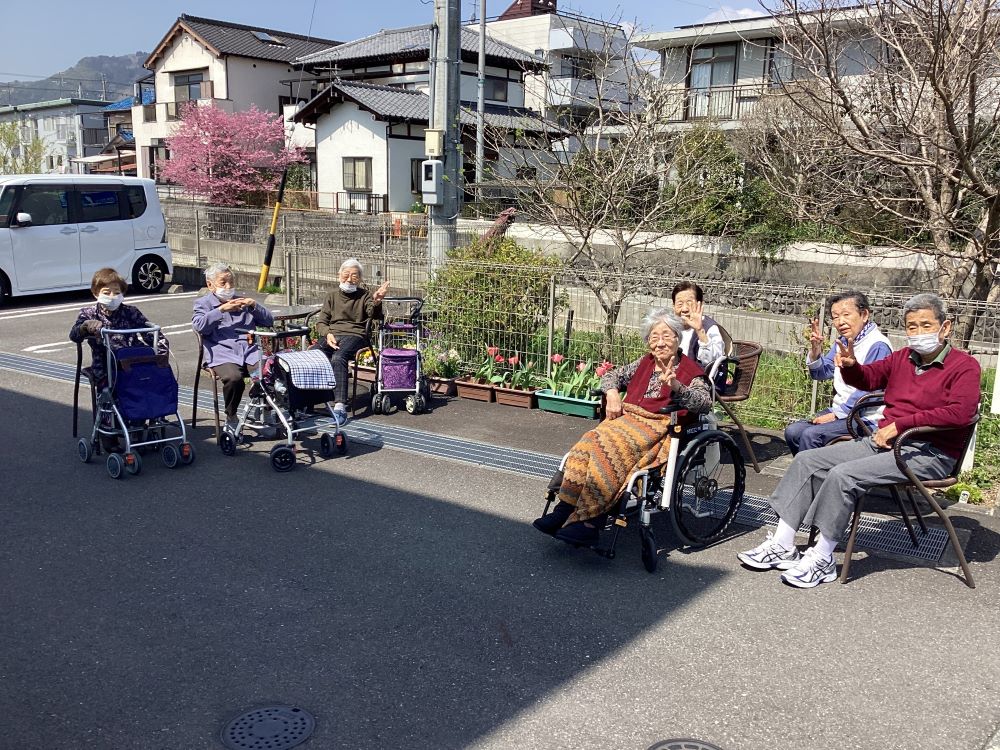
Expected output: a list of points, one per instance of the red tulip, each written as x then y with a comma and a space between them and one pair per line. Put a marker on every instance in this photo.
557, 358
492, 350
513, 361
498, 358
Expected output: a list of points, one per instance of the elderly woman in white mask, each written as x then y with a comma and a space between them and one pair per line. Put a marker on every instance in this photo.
341, 325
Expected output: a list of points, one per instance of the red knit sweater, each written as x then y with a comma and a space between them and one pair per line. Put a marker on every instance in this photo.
943, 396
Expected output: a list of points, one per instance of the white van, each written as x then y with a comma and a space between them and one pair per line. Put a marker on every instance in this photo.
57, 230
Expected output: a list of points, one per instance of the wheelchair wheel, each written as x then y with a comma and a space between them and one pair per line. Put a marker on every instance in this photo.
187, 454
171, 457
84, 449
133, 463
649, 552
341, 443
115, 465
325, 445
227, 443
282, 458
708, 488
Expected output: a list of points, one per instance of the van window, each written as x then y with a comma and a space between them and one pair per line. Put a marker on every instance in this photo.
136, 201
99, 204
47, 205
6, 201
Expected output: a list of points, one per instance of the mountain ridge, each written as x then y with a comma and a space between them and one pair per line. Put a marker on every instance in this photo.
108, 77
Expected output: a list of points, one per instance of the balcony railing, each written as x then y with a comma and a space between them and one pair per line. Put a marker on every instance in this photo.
353, 202
715, 103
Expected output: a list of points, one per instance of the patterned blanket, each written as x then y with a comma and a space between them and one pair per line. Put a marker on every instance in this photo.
310, 370
599, 465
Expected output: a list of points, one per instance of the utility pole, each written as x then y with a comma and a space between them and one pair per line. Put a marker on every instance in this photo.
447, 59
480, 103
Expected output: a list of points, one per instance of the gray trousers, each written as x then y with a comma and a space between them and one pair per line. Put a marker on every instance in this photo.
822, 485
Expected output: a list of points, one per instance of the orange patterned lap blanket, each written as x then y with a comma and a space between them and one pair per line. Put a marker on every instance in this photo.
599, 465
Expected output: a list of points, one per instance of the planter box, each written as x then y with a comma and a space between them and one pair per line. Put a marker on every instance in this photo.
577, 407
515, 397
442, 386
472, 390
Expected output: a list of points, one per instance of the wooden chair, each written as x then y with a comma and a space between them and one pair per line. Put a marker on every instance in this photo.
745, 355
858, 429
203, 368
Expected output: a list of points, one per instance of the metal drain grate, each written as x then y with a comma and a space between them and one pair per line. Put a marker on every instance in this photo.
683, 745
269, 728
874, 532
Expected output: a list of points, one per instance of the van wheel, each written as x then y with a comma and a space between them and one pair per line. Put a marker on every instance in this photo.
148, 274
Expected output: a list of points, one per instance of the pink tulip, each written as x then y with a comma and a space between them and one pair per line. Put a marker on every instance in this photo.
582, 367
557, 358
493, 350
498, 358
513, 361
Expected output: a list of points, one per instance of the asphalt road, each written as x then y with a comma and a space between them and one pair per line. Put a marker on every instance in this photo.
405, 601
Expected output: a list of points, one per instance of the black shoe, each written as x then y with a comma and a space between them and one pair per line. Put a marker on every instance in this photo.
552, 522
579, 534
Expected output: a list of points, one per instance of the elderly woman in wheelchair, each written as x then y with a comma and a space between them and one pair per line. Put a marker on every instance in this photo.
654, 451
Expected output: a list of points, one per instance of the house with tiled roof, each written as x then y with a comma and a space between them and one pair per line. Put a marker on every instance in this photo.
373, 107
231, 66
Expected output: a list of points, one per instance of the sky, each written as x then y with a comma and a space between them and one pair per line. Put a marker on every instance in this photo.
51, 35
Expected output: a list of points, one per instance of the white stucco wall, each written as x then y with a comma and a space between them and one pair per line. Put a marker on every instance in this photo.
344, 132
401, 151
256, 82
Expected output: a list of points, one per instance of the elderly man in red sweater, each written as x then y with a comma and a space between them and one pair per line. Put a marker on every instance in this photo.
928, 383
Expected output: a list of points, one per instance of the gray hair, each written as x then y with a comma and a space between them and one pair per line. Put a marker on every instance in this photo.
215, 269
661, 315
926, 301
353, 263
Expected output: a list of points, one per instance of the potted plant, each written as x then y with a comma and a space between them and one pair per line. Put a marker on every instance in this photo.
517, 388
479, 386
568, 388
366, 366
441, 366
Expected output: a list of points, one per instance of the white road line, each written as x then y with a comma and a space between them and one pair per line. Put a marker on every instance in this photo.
54, 309
55, 345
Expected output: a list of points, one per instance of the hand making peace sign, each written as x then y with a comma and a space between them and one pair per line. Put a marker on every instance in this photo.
815, 339
843, 356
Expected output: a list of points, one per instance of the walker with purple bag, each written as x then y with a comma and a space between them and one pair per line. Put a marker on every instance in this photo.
400, 369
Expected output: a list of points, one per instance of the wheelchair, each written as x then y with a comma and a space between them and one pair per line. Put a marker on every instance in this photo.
701, 485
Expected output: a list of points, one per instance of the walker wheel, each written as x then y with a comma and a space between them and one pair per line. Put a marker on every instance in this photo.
171, 457
133, 463
115, 465
187, 453
341, 441
325, 445
84, 449
227, 443
376, 404
411, 404
282, 458
386, 403
649, 556
421, 403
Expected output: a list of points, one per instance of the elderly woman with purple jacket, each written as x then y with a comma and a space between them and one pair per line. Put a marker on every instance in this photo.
218, 318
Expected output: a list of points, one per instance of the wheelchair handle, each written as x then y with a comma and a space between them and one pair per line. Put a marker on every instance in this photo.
112, 331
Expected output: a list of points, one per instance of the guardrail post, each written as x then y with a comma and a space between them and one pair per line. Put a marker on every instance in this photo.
197, 237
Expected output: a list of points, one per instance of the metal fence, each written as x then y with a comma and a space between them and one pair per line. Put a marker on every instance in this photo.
533, 312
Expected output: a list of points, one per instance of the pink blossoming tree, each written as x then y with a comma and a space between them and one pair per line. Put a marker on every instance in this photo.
230, 159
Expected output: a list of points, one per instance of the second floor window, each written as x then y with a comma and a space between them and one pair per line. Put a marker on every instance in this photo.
713, 66
188, 86
357, 173
495, 89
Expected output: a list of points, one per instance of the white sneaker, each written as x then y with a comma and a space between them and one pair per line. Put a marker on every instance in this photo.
811, 571
769, 555
340, 416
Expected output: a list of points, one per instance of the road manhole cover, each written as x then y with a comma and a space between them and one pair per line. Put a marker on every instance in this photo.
269, 728
683, 745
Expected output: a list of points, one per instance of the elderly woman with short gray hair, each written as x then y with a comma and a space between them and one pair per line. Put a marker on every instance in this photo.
633, 435
341, 325
218, 318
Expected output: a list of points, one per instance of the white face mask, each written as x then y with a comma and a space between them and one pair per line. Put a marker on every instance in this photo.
348, 287
110, 301
924, 343
225, 293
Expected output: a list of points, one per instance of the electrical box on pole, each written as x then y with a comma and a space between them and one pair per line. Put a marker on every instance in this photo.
432, 182
434, 143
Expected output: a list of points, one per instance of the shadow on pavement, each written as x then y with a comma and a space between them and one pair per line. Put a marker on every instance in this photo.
148, 612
